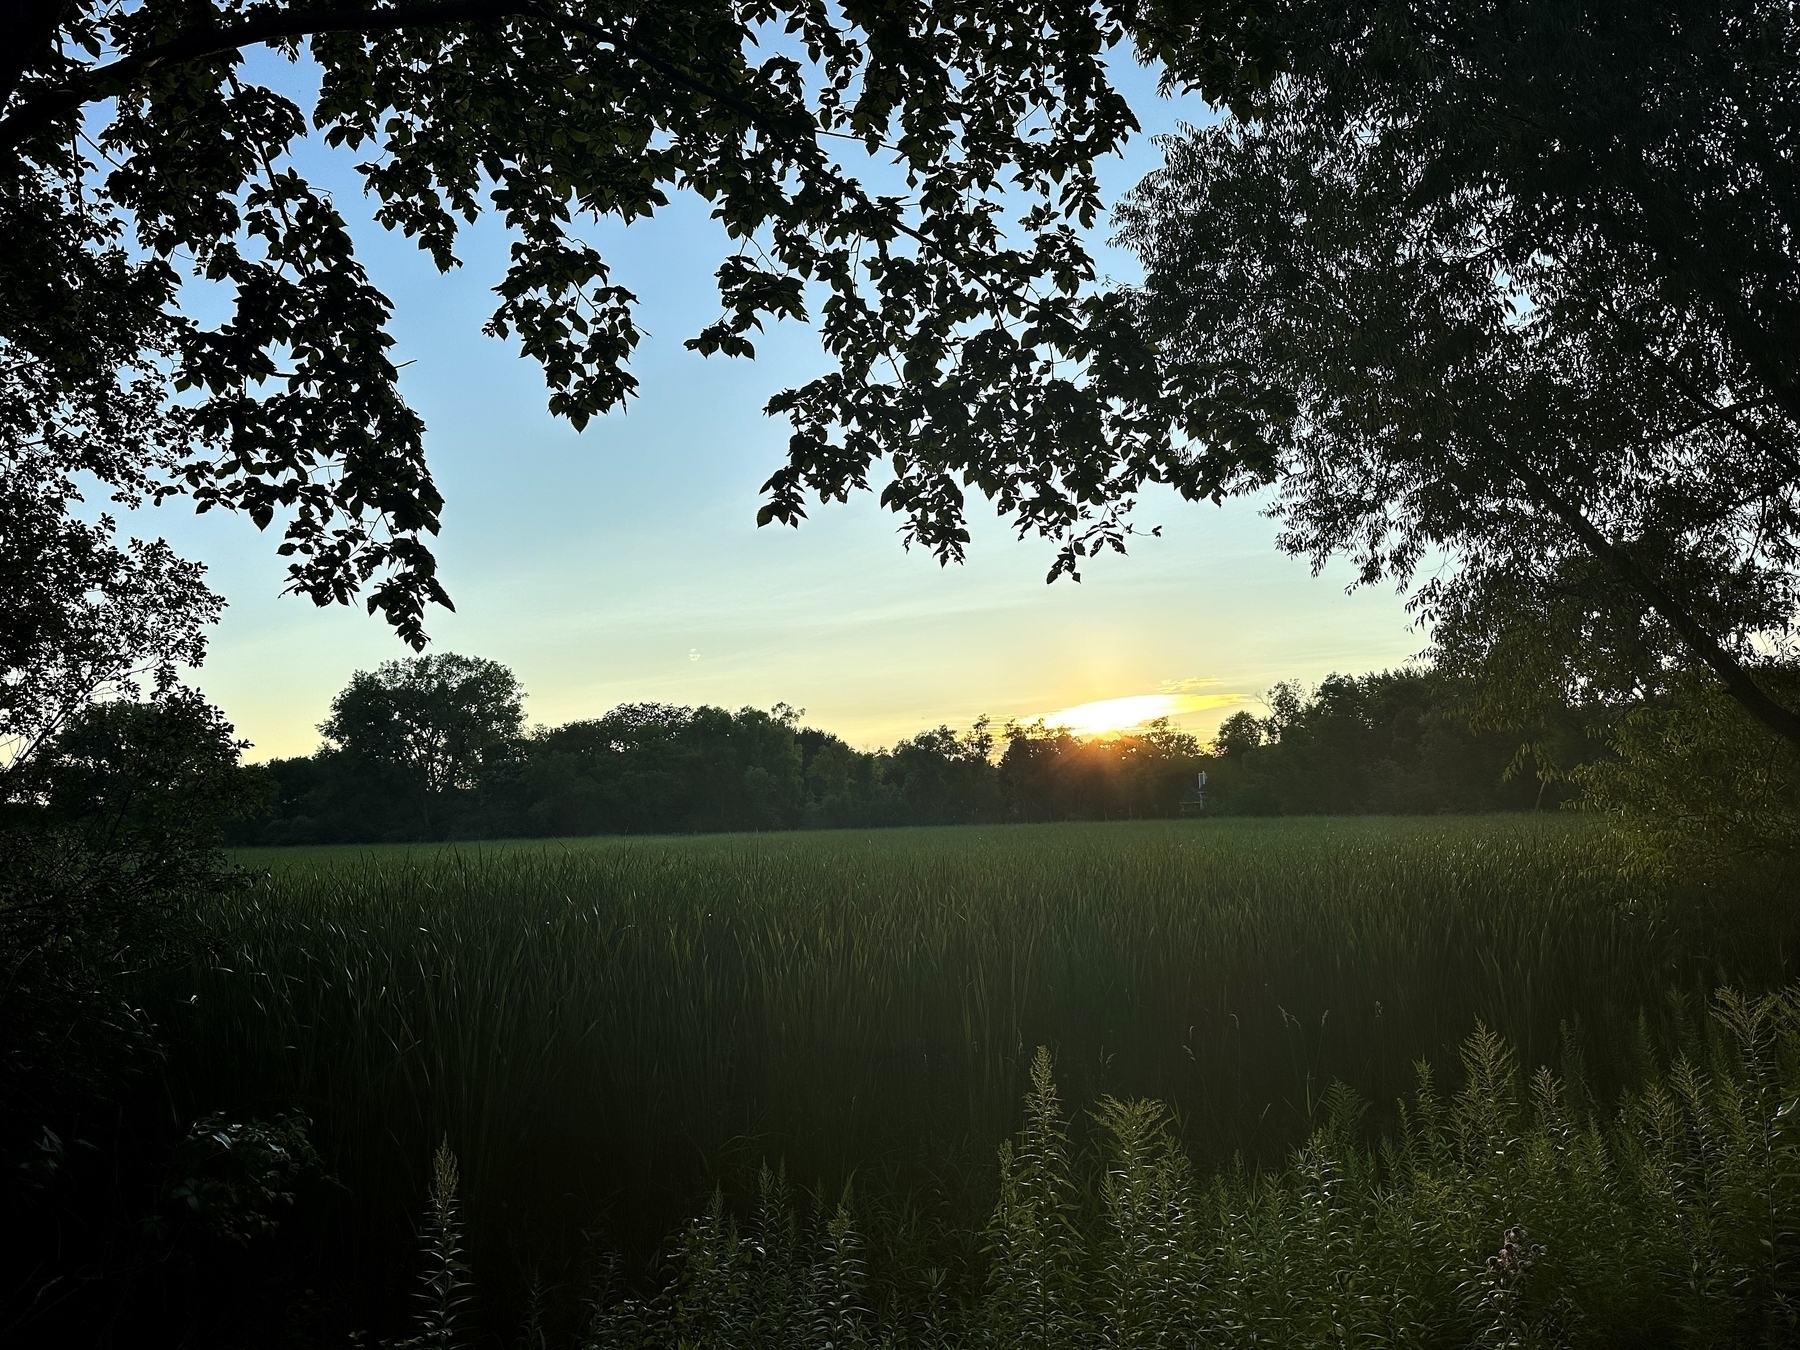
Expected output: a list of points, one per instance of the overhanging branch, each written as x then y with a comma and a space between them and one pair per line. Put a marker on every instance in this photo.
106, 81
1738, 683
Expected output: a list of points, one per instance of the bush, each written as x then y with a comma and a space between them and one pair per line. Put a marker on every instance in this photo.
108, 835
1698, 784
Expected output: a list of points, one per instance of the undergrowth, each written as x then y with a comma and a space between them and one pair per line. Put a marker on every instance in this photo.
1516, 1212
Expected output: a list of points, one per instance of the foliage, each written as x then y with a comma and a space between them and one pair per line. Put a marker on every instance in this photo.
144, 787
429, 726
1033, 1242
445, 1284
1389, 743
607, 1031
938, 778
154, 1222
1504, 1218
1047, 773
1501, 300
233, 1178
109, 833
109, 836
145, 163
1698, 786
82, 618
1397, 742
647, 767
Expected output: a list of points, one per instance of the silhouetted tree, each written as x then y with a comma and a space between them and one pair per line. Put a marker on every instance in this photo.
440, 725
110, 833
1513, 287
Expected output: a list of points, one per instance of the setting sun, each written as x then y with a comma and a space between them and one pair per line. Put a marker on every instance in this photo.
1133, 710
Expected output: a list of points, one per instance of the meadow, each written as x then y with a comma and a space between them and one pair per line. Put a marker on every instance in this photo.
613, 1037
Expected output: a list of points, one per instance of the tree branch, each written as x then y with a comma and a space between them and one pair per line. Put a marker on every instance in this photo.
41, 109
1783, 721
106, 81
27, 34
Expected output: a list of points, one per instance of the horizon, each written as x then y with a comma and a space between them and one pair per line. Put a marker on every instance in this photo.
1099, 720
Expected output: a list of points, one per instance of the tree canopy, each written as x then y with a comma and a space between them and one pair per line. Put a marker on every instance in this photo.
433, 747
1511, 288
145, 160
435, 724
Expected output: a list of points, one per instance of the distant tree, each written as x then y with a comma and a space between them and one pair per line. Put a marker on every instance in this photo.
650, 767
1049, 773
1240, 732
443, 722
1396, 741
631, 771
941, 777
830, 767
752, 768
1515, 286
1392, 742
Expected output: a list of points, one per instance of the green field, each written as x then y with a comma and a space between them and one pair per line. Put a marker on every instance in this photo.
604, 1031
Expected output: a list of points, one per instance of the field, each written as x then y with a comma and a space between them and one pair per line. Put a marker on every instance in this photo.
605, 1032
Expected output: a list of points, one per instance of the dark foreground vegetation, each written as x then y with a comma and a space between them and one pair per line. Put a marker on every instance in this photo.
436, 748
603, 1034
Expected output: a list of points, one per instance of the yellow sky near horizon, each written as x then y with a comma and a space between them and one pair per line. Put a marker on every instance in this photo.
875, 644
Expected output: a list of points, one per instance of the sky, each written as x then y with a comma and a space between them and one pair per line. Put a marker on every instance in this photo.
624, 565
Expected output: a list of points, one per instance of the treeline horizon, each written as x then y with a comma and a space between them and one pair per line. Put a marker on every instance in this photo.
435, 748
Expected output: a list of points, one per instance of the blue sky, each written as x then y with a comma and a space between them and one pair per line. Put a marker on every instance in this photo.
624, 564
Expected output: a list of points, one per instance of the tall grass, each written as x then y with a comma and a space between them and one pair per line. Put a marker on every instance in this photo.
605, 1033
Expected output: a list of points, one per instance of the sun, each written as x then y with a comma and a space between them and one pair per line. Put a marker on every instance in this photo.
1116, 714
1105, 716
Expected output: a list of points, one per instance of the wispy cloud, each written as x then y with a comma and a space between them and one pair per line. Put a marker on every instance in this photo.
1187, 686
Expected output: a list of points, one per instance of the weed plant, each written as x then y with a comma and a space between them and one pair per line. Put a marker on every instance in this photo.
607, 1033
1510, 1215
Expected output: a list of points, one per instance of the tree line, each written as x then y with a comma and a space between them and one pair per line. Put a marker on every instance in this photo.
436, 747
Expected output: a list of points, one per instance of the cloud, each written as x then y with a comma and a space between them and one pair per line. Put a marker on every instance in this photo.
1186, 686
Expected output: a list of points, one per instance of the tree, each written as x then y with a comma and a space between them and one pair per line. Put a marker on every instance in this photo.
1237, 735
82, 617
144, 161
443, 722
1698, 784
1516, 285
1049, 773
1392, 742
108, 833
943, 778
111, 805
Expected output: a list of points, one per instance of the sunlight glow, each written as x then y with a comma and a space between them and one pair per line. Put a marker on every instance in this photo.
1134, 710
